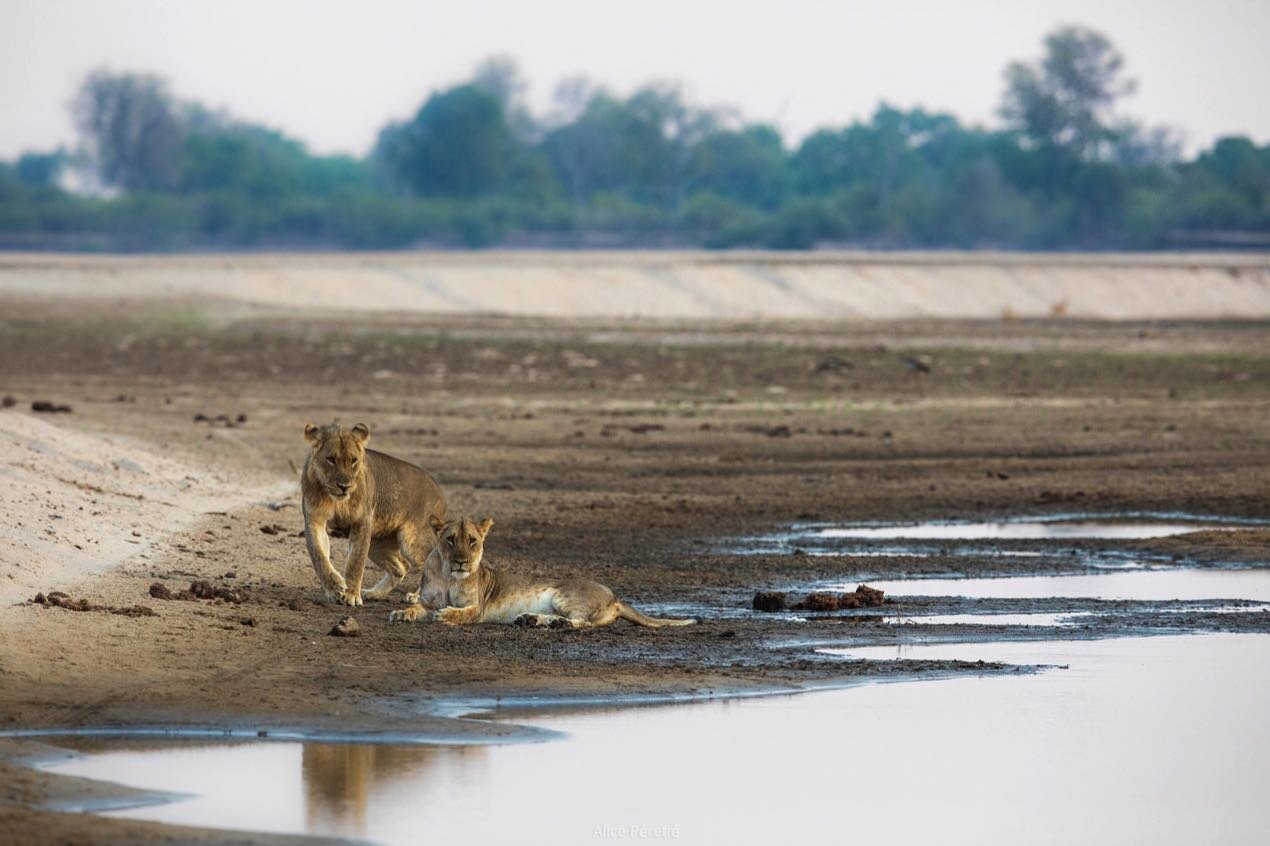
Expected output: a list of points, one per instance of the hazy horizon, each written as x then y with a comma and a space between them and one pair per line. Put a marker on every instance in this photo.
332, 74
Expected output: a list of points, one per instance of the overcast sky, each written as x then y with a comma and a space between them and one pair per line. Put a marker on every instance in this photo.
332, 73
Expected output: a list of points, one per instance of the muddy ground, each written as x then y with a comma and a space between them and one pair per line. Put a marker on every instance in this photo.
624, 451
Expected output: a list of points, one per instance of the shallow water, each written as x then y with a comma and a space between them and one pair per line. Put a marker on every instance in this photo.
1159, 740
1020, 530
1154, 585
861, 540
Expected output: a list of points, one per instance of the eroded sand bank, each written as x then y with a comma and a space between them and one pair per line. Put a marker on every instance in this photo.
681, 285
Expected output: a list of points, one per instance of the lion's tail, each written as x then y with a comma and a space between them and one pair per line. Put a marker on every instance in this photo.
626, 612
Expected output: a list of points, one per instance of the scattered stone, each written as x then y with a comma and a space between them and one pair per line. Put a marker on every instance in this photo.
779, 431
58, 599
832, 364
46, 407
248, 621
8, 401
206, 590
296, 604
222, 420
232, 574
273, 529
869, 597
162, 591
134, 611
346, 627
820, 602
916, 365
61, 600
769, 601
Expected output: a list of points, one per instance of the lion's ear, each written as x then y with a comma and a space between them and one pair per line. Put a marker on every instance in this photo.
437, 523
362, 432
311, 433
485, 526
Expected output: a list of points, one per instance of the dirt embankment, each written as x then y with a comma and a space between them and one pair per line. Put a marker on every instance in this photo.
682, 285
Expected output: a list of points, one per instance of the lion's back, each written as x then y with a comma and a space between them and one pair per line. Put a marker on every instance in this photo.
404, 488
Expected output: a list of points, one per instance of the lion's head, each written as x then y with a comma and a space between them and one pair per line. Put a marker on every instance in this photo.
338, 463
462, 543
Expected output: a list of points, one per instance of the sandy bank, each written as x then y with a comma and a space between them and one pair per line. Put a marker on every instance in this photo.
76, 504
689, 285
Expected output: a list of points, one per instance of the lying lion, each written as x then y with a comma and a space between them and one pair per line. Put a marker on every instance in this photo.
477, 594
384, 504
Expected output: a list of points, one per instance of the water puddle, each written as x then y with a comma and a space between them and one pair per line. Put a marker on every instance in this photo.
989, 619
863, 540
1081, 754
1149, 585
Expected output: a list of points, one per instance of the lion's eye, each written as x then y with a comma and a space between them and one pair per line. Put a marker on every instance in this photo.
472, 543
354, 462
330, 459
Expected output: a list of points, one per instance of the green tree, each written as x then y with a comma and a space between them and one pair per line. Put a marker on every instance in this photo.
747, 165
1068, 97
457, 145
132, 128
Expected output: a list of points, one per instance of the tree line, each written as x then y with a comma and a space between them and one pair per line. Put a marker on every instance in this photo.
474, 167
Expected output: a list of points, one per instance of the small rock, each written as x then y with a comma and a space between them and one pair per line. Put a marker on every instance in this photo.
8, 401
134, 611
46, 407
346, 627
248, 621
832, 363
769, 601
160, 591
818, 602
869, 597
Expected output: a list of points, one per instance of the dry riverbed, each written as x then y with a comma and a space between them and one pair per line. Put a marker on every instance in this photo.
635, 453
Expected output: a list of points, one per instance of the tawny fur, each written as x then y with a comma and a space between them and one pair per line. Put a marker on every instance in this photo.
475, 593
385, 505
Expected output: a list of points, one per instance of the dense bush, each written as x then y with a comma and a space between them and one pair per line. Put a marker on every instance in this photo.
473, 168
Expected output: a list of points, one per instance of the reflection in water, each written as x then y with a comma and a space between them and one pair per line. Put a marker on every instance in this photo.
340, 778
1150, 585
1013, 530
1143, 740
862, 540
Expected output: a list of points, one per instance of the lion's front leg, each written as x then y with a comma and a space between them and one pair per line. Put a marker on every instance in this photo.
319, 546
460, 616
355, 566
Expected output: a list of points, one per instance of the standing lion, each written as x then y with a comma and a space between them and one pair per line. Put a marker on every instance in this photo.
384, 504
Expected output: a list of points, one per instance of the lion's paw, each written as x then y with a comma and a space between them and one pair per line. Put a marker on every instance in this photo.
526, 620
413, 598
453, 616
349, 597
